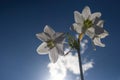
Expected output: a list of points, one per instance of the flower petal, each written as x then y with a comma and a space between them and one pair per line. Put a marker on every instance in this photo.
42, 36
97, 19
100, 23
98, 30
53, 55
58, 34
97, 42
60, 49
59, 37
49, 30
90, 32
94, 15
77, 27
43, 49
103, 35
86, 12
78, 17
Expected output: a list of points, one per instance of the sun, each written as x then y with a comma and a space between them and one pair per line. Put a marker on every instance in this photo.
57, 70
57, 76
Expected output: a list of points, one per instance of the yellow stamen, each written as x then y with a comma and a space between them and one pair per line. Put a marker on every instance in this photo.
50, 44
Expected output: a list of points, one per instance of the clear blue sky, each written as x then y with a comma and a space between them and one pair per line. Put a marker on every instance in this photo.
20, 20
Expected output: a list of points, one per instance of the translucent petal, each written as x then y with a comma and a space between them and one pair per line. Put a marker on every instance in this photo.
100, 23
103, 35
78, 17
90, 32
43, 49
60, 49
72, 28
42, 36
49, 30
86, 12
59, 37
77, 27
94, 15
53, 55
97, 19
97, 42
98, 30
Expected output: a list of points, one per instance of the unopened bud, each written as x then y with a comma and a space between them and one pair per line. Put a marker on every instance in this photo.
81, 36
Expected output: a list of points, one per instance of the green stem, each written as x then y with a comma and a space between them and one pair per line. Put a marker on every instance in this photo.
80, 62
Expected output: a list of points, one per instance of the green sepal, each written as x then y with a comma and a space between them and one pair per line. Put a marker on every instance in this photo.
73, 43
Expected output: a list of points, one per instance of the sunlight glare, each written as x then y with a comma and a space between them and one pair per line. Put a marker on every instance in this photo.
57, 76
57, 70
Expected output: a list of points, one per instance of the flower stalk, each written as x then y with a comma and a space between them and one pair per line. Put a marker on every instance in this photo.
80, 60
75, 44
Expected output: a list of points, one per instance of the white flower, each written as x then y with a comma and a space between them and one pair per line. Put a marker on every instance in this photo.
96, 32
52, 43
84, 20
90, 25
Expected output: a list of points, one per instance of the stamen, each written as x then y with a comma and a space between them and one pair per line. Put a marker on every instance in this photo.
87, 24
50, 44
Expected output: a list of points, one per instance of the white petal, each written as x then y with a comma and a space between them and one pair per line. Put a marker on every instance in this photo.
97, 19
59, 37
59, 34
94, 15
103, 35
78, 17
53, 55
49, 30
90, 32
60, 49
100, 23
77, 27
86, 12
42, 36
97, 42
43, 49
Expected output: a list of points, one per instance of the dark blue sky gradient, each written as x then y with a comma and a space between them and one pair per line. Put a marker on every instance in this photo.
21, 20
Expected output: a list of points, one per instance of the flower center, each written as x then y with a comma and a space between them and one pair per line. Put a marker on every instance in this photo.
50, 44
87, 24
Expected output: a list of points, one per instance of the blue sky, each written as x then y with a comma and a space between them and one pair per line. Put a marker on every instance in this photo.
21, 20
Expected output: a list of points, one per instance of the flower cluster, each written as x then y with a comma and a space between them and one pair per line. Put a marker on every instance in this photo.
90, 25
86, 23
